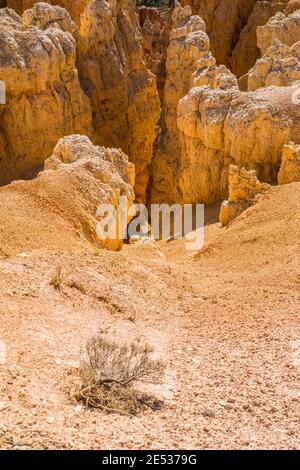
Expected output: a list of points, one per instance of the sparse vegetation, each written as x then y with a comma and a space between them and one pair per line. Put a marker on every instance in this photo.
57, 279
74, 284
110, 371
96, 251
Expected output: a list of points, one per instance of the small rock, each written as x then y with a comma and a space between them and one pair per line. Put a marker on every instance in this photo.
50, 419
208, 414
3, 405
20, 442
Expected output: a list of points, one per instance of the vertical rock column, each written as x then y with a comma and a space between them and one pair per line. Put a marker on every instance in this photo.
122, 90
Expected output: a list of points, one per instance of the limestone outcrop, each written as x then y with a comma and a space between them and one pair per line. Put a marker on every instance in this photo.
44, 16
246, 51
44, 99
74, 7
244, 190
285, 29
293, 5
121, 88
210, 123
279, 66
225, 20
188, 45
156, 37
290, 164
60, 208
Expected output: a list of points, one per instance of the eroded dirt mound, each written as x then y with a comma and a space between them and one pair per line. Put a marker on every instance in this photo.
57, 210
226, 322
263, 237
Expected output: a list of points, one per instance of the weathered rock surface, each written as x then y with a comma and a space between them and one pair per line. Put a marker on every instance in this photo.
122, 90
219, 125
224, 19
44, 16
293, 5
156, 37
58, 208
74, 7
44, 100
246, 52
188, 44
279, 66
290, 164
244, 190
286, 29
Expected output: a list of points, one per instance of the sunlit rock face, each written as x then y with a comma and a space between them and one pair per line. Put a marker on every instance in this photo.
74, 7
224, 19
246, 52
290, 164
94, 176
244, 191
285, 29
121, 88
279, 66
210, 124
44, 100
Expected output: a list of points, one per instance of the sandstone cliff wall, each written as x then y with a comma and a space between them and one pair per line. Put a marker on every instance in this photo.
44, 99
121, 88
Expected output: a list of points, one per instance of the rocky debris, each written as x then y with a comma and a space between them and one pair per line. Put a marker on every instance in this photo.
62, 203
290, 164
44, 100
279, 66
121, 88
285, 29
244, 190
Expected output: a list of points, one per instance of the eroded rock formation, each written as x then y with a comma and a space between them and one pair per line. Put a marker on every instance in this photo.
279, 66
290, 164
207, 123
156, 37
44, 100
74, 7
122, 90
286, 29
225, 20
60, 206
219, 125
244, 190
246, 51
188, 44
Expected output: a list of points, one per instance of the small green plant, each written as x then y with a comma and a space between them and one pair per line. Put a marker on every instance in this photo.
57, 279
96, 250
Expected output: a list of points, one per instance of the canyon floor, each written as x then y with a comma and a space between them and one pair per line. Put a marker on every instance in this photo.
226, 321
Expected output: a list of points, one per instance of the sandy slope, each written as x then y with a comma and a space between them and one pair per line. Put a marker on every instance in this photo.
226, 320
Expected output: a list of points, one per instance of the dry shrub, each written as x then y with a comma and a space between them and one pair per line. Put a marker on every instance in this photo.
110, 371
